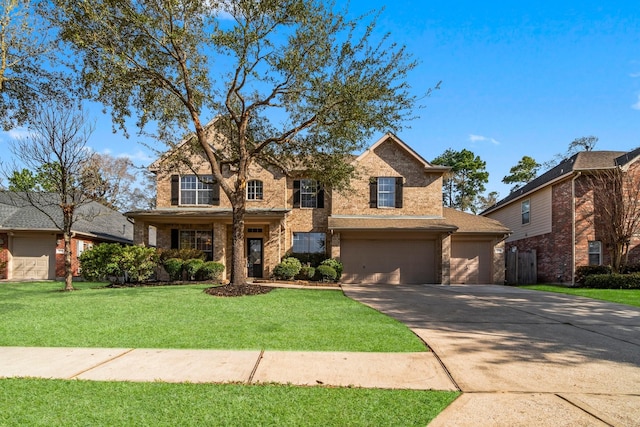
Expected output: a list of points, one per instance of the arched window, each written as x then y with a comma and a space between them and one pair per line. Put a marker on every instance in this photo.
254, 190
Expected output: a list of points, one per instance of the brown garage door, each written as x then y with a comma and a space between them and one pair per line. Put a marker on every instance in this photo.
33, 258
388, 261
471, 262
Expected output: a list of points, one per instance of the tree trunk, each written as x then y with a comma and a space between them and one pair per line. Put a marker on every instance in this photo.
238, 259
68, 272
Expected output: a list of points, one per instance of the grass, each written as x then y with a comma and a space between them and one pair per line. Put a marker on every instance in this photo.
79, 403
38, 314
622, 296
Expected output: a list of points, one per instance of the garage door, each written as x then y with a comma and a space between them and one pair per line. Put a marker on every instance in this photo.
388, 261
471, 262
33, 258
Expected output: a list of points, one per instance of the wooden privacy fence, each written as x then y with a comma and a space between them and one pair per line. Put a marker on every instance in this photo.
521, 267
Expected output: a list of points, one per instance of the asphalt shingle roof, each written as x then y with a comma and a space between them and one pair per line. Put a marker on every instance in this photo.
94, 219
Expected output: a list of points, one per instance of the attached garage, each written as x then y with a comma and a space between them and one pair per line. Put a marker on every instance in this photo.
374, 258
33, 257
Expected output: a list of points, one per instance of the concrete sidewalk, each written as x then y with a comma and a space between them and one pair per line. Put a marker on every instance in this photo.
418, 371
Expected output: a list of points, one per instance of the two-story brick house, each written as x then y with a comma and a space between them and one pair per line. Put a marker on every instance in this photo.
390, 227
555, 215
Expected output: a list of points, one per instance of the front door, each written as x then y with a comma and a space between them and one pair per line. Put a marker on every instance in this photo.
254, 257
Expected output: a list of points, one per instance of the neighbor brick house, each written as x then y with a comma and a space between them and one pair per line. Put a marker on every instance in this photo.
554, 214
32, 246
390, 227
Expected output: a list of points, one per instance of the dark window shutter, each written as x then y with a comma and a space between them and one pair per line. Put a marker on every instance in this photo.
174, 239
320, 197
175, 189
215, 194
399, 192
296, 193
373, 192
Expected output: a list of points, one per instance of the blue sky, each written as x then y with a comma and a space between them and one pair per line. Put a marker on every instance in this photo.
518, 78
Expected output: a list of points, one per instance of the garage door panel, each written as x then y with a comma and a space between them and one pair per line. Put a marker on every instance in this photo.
471, 262
388, 261
33, 258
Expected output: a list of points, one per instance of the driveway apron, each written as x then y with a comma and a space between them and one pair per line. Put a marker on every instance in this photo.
523, 357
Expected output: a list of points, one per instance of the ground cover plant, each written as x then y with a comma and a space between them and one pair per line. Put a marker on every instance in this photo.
38, 314
622, 296
79, 403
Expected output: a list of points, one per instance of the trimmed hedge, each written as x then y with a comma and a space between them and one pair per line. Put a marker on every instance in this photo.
306, 273
583, 271
336, 265
613, 281
326, 273
173, 267
287, 269
210, 270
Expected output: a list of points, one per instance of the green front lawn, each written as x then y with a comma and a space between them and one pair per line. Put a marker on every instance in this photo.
30, 402
38, 314
622, 296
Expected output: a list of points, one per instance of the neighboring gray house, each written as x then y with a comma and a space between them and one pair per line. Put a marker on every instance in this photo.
31, 246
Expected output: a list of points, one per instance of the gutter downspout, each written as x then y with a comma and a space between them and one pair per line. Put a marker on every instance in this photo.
573, 228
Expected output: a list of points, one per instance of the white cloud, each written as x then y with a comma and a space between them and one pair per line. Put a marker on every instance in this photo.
636, 106
480, 138
16, 133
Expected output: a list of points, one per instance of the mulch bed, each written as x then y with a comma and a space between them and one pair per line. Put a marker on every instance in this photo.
237, 290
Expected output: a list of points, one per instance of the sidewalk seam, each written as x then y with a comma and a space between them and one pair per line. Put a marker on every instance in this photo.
104, 362
255, 367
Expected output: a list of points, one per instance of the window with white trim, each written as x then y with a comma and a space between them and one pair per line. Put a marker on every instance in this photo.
254, 190
595, 252
309, 243
308, 193
526, 211
386, 192
196, 190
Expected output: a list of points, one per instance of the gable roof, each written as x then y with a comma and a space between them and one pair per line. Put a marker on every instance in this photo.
405, 147
473, 224
94, 219
582, 161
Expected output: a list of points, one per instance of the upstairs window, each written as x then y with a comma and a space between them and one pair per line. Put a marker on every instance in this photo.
194, 190
307, 193
254, 190
526, 212
385, 192
595, 252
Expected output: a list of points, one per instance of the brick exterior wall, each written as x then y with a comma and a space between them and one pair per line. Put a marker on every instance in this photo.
556, 250
4, 255
422, 192
75, 262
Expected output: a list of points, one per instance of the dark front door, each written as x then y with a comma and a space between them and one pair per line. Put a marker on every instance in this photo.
254, 257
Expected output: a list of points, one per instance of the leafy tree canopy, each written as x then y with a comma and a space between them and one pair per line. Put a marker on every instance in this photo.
523, 172
466, 180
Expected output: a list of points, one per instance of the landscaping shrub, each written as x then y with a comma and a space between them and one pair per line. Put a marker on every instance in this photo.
211, 270
287, 269
191, 267
102, 262
336, 265
114, 262
326, 273
138, 262
613, 281
173, 267
583, 271
306, 273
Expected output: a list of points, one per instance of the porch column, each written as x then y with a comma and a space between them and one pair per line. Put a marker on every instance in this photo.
335, 245
140, 233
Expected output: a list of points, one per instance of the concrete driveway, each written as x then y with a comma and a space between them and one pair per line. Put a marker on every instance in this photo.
523, 357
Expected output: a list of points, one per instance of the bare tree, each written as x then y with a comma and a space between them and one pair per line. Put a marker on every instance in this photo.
56, 147
109, 180
616, 211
